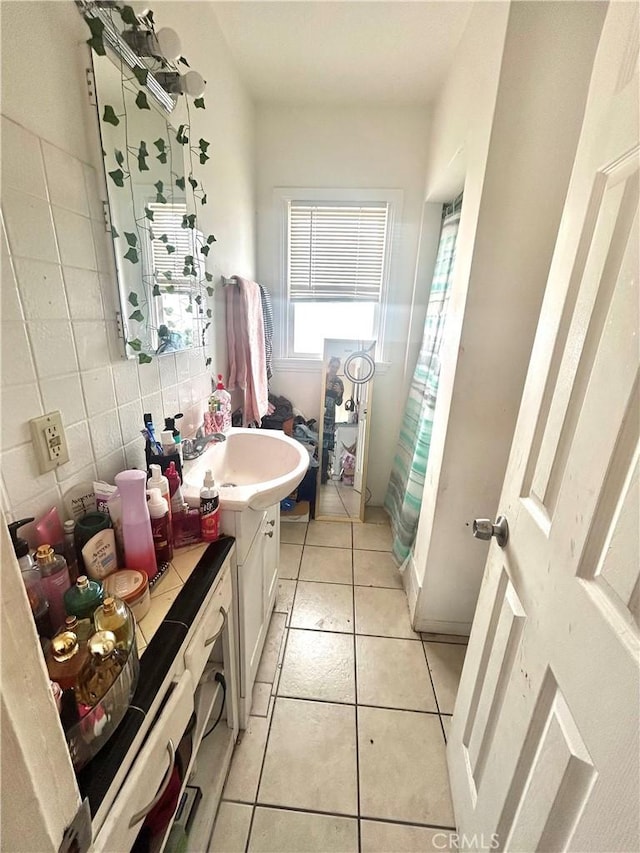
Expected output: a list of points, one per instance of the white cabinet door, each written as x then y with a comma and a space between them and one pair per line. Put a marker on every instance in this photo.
270, 559
251, 611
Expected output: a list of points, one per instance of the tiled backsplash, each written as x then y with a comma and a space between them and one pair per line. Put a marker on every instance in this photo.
60, 348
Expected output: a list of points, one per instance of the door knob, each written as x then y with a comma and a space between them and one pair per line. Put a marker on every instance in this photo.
484, 528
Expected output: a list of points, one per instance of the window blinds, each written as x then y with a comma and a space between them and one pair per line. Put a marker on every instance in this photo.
336, 252
167, 220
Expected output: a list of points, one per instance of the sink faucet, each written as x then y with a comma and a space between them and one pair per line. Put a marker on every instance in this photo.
192, 448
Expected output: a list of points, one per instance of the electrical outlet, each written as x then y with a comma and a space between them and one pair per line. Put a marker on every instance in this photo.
49, 441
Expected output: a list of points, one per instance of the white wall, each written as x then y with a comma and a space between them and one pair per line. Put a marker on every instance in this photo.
514, 193
355, 147
59, 343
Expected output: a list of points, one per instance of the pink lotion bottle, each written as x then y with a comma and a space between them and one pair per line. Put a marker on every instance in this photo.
139, 552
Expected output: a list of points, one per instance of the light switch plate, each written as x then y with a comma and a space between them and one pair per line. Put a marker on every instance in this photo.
49, 441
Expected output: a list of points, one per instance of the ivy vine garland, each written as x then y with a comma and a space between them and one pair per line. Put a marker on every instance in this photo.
132, 160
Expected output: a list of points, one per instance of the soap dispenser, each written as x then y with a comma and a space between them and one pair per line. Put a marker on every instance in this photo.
32, 580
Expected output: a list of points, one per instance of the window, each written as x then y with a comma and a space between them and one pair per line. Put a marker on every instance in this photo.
336, 267
175, 307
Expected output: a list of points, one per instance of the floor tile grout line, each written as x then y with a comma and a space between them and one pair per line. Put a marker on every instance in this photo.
360, 705
435, 695
347, 816
355, 688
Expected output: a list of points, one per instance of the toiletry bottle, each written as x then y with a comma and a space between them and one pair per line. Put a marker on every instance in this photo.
168, 445
170, 423
160, 526
223, 400
49, 530
79, 500
136, 524
86, 528
173, 477
70, 554
83, 597
32, 580
114, 615
158, 481
186, 527
65, 659
102, 668
55, 580
209, 509
99, 555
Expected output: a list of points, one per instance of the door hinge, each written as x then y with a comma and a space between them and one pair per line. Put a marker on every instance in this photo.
91, 87
78, 835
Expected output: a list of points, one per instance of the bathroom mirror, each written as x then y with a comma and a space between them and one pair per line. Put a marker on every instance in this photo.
343, 441
161, 309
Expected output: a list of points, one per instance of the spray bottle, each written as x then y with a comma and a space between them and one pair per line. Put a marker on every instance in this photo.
209, 509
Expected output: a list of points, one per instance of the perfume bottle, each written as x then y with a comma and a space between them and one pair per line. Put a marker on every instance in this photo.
65, 659
82, 599
114, 615
55, 580
101, 670
82, 628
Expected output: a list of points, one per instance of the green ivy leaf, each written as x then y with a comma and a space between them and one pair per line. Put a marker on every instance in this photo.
141, 101
160, 144
119, 157
193, 182
207, 362
109, 116
152, 236
186, 271
129, 17
159, 186
163, 238
209, 314
203, 145
143, 358
170, 249
167, 275
198, 103
203, 159
203, 200
132, 256
141, 75
208, 276
133, 299
188, 260
198, 299
180, 183
205, 250
189, 308
160, 199
137, 315
132, 239
156, 290
97, 45
181, 137
211, 239
183, 61
142, 164
95, 25
209, 291
149, 17
114, 232
191, 220
142, 149
162, 157
170, 289
148, 213
117, 176
135, 344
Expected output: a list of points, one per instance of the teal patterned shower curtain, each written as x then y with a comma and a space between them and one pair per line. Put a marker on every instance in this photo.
406, 484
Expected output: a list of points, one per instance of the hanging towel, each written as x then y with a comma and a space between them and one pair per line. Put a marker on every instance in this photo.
267, 316
245, 344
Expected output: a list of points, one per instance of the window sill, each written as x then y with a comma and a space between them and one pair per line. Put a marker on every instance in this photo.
314, 365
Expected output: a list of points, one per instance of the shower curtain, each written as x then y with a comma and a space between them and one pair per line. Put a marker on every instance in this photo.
406, 484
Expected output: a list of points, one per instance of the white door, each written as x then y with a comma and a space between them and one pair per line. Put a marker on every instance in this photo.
544, 746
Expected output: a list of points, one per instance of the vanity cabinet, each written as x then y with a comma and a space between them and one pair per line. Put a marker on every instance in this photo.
255, 577
178, 699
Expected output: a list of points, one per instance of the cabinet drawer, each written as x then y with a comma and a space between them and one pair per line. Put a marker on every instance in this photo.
209, 627
151, 768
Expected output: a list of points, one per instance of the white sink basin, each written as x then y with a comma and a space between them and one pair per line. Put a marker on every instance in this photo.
253, 468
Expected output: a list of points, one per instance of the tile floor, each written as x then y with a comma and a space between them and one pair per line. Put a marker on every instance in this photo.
338, 500
345, 750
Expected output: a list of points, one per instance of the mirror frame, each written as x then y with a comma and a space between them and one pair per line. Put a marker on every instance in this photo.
358, 346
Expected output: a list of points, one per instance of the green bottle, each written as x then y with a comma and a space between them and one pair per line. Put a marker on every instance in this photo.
82, 599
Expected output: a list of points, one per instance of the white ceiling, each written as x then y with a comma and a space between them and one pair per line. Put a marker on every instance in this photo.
347, 52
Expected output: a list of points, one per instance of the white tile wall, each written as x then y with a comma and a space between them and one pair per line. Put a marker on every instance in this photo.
59, 341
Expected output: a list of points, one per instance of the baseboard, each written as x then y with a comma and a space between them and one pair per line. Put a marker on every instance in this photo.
437, 626
411, 585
